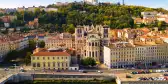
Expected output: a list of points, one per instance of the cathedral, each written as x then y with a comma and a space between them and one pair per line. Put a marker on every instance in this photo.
90, 40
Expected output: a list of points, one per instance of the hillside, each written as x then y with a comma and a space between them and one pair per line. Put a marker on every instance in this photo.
67, 17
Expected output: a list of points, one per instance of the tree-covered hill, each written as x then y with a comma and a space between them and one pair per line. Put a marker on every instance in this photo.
67, 17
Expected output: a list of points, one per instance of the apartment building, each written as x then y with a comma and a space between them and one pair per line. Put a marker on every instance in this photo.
49, 59
128, 33
129, 54
64, 40
11, 42
4, 49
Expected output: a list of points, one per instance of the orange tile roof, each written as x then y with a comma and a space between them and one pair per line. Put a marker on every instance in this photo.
51, 54
165, 36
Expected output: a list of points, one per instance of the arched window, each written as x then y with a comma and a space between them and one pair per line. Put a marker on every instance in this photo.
95, 43
92, 43
89, 44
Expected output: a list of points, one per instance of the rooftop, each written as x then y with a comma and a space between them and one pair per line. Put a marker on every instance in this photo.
51, 54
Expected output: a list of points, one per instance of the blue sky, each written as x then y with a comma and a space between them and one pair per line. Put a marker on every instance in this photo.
20, 3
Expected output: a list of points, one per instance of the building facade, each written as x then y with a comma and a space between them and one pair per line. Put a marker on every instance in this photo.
51, 60
12, 42
129, 55
63, 40
89, 41
4, 49
93, 2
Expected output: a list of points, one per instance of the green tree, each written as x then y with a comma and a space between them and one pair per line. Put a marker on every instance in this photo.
142, 25
88, 62
12, 55
41, 44
32, 45
64, 26
37, 11
28, 58
161, 25
71, 29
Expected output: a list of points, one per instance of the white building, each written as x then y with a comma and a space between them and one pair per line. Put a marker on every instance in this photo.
24, 42
94, 2
50, 9
6, 25
148, 14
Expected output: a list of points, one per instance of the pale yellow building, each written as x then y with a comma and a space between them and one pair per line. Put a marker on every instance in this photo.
45, 59
4, 49
128, 54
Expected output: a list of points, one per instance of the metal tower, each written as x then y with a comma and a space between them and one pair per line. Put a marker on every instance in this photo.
123, 2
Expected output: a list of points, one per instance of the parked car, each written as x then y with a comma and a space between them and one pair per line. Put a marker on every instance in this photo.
6, 69
80, 70
84, 71
99, 71
165, 74
134, 72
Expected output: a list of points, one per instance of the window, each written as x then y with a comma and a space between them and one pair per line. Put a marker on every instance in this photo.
89, 53
33, 58
62, 57
34, 64
92, 43
96, 44
96, 53
53, 58
38, 64
89, 44
57, 57
37, 58
66, 64
48, 58
58, 64
43, 58
53, 64
44, 65
48, 64
62, 64
93, 54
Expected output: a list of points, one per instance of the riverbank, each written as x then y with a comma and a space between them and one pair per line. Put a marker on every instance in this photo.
66, 82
